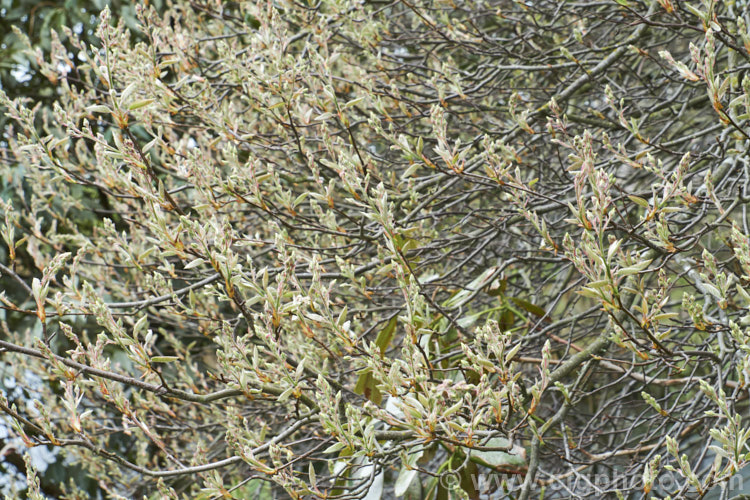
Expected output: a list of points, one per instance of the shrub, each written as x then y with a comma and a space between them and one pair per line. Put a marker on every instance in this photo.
365, 249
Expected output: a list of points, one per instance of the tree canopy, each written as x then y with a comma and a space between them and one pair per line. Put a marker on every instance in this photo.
364, 249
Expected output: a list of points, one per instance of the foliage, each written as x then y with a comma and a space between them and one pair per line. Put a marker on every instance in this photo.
36, 20
365, 249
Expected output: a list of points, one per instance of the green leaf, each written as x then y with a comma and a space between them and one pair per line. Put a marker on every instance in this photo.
663, 316
386, 335
627, 271
252, 21
529, 307
409, 244
696, 12
367, 386
405, 477
513, 459
98, 108
300, 199
164, 359
468, 480
507, 319
712, 290
589, 292
497, 288
194, 263
140, 104
472, 376
334, 448
467, 321
639, 201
